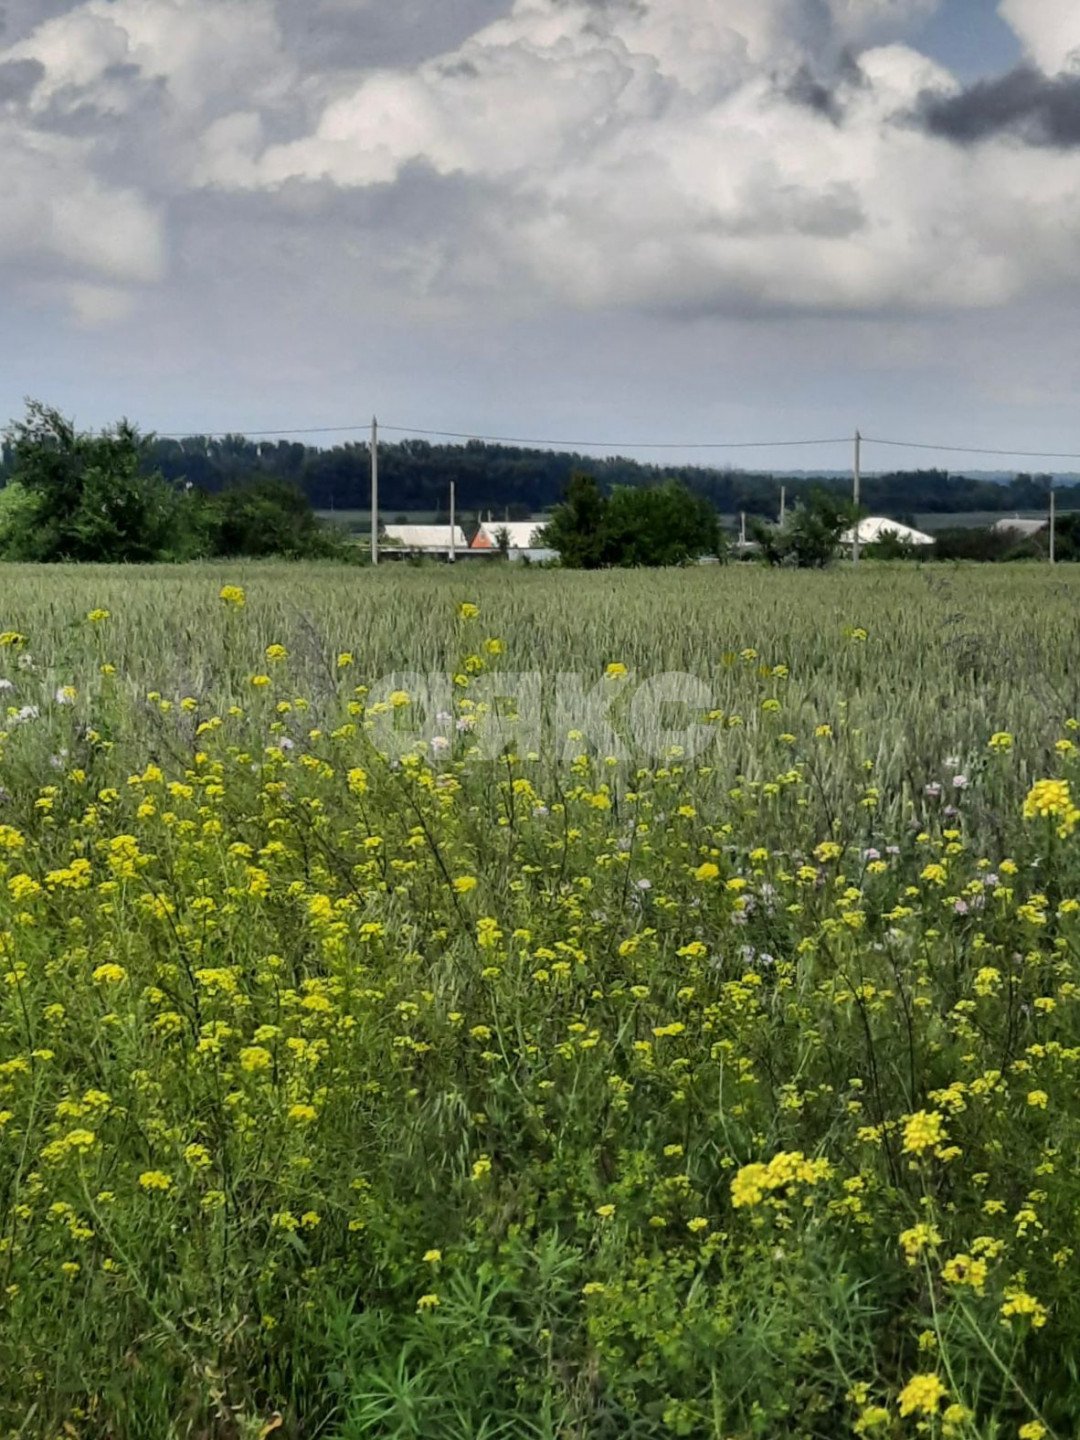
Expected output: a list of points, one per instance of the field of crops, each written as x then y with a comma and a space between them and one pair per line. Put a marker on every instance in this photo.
532, 1054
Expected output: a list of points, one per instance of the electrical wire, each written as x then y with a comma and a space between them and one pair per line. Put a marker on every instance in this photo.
410, 430
503, 439
618, 444
974, 449
253, 434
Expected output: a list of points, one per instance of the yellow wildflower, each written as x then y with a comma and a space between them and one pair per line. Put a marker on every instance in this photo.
921, 1395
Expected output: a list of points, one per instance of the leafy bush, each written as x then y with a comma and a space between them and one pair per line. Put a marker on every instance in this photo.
91, 497
809, 538
658, 526
267, 517
86, 496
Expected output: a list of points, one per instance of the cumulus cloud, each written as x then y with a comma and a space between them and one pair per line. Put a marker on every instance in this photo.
56, 212
103, 110
686, 156
694, 156
1049, 31
197, 50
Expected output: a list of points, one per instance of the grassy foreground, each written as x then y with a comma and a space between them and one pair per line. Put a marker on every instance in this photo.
352, 1088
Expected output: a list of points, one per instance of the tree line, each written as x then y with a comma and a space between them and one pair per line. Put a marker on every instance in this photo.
116, 495
517, 482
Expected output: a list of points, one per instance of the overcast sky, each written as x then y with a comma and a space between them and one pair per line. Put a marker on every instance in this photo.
612, 220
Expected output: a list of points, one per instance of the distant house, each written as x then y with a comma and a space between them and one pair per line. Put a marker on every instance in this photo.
520, 538
520, 534
1022, 529
424, 539
876, 527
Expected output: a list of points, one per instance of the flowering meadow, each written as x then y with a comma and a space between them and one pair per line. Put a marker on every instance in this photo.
456, 1091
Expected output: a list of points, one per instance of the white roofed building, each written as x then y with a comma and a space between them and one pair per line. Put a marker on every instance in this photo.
877, 527
1023, 529
424, 539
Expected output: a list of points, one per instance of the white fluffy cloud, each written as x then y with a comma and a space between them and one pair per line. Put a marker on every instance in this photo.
105, 128
654, 155
56, 212
1049, 31
690, 155
197, 49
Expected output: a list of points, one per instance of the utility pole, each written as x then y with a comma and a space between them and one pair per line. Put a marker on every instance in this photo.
742, 529
374, 491
783, 503
1053, 523
857, 478
453, 519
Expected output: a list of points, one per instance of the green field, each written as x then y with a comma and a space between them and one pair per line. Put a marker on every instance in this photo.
369, 1070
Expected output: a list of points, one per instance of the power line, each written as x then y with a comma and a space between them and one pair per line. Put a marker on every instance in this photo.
974, 449
253, 434
505, 439
617, 444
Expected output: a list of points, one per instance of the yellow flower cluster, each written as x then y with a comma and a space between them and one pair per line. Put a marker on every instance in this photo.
783, 1174
1052, 800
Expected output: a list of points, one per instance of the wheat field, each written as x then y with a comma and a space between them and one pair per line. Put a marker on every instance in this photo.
477, 1063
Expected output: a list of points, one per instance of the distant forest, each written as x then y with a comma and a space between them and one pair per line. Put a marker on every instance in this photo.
510, 482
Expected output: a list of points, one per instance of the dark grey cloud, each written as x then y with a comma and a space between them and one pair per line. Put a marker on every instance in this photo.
806, 89
828, 97
1040, 109
18, 78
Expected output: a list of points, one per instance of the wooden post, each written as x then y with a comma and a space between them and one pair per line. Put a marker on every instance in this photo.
857, 479
374, 491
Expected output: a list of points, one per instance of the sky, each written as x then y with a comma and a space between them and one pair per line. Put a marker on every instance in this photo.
680, 224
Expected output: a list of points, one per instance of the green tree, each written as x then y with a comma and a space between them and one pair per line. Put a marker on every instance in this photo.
655, 526
576, 528
658, 526
86, 496
809, 539
269, 517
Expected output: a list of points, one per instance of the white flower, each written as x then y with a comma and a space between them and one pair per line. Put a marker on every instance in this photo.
6, 684
439, 743
960, 782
